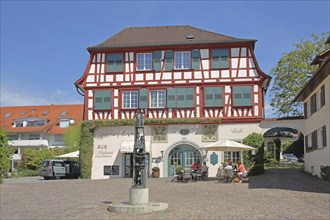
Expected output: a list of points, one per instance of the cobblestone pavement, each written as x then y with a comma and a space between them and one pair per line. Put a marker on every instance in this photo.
277, 194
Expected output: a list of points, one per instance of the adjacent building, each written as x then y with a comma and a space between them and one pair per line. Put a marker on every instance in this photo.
37, 126
175, 74
316, 97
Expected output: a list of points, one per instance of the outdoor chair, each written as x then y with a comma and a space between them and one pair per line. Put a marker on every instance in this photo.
187, 174
203, 175
229, 175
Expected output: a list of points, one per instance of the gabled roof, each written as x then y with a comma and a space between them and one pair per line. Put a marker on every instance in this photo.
165, 36
52, 113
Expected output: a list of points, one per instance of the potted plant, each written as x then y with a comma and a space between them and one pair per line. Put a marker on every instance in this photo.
155, 172
179, 169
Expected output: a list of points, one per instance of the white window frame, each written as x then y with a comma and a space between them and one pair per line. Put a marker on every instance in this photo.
143, 61
157, 98
130, 99
179, 60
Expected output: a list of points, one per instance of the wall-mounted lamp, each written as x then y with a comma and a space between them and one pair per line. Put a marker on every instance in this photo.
162, 152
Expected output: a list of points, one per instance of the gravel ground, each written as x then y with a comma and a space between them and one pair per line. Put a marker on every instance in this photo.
277, 194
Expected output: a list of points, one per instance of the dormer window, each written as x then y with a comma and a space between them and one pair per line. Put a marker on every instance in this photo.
64, 122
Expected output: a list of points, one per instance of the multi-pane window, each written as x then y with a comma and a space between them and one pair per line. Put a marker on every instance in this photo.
176, 158
102, 99
114, 62
213, 96
242, 95
323, 137
182, 60
130, 99
220, 58
314, 140
157, 98
232, 155
34, 137
180, 97
144, 61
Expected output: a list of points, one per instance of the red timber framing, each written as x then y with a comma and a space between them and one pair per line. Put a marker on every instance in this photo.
243, 70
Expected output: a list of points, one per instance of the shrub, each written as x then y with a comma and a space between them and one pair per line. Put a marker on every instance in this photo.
325, 173
22, 173
256, 170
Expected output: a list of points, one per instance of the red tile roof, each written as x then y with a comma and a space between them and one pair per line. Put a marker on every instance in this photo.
50, 112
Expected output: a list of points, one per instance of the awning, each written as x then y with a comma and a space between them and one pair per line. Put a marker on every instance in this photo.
74, 154
128, 147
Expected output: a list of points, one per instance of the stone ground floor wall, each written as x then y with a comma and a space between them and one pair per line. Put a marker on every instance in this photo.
110, 145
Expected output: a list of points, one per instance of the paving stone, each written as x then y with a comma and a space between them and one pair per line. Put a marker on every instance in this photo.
277, 194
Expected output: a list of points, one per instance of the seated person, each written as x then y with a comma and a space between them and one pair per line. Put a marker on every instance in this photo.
195, 167
241, 170
228, 173
204, 170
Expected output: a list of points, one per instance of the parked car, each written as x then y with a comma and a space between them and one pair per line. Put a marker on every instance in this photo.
301, 159
290, 157
56, 169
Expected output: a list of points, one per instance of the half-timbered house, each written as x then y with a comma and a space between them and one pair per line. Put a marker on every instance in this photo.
196, 86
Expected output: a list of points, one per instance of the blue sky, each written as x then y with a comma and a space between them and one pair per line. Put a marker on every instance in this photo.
43, 43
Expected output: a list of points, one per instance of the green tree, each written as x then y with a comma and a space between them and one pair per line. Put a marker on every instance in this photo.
72, 138
256, 162
293, 70
5, 152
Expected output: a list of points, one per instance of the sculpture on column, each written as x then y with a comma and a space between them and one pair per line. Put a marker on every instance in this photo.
139, 154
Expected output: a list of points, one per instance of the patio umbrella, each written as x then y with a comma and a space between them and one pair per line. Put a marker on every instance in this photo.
74, 154
227, 145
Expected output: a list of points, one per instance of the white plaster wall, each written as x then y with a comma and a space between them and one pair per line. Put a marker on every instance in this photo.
107, 142
319, 157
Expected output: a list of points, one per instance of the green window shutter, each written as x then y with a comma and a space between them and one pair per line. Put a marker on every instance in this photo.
242, 95
213, 96
102, 99
157, 60
114, 62
224, 58
143, 99
169, 60
195, 57
216, 58
185, 97
171, 98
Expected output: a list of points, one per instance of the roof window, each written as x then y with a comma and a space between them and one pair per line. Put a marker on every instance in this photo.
63, 113
189, 36
23, 113
45, 113
8, 114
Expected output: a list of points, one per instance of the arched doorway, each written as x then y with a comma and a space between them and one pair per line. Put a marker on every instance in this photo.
182, 155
